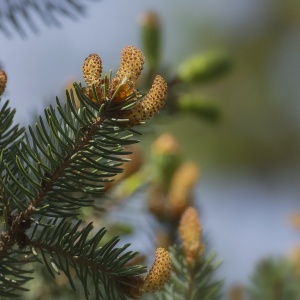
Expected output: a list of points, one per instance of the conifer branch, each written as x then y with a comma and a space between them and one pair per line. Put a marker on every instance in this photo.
65, 247
193, 270
12, 273
14, 13
194, 281
58, 167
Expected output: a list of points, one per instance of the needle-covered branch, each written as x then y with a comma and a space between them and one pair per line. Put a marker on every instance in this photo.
60, 165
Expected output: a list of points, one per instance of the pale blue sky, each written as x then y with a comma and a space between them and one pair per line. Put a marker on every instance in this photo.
39, 66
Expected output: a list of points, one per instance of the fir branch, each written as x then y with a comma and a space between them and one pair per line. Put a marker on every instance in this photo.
192, 275
65, 247
59, 151
58, 168
13, 13
12, 273
193, 281
10, 136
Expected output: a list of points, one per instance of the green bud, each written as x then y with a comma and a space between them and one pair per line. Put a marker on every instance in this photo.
151, 38
164, 166
204, 66
165, 158
199, 106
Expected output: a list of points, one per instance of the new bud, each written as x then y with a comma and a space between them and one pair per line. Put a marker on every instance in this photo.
204, 67
151, 38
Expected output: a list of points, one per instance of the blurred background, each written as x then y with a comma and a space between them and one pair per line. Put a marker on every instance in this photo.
248, 193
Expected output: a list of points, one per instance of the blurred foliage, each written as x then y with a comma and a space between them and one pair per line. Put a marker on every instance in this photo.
258, 129
275, 279
14, 13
